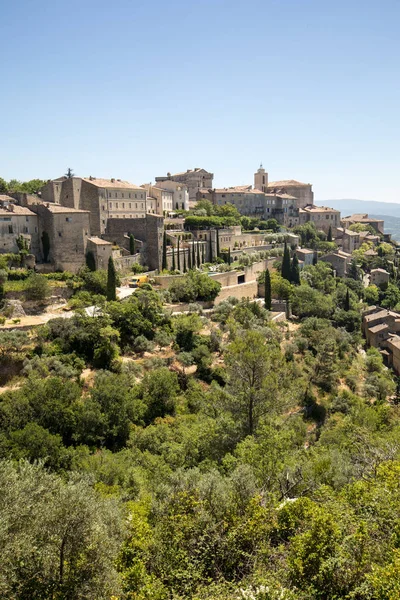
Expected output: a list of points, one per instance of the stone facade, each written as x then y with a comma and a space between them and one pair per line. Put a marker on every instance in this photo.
103, 198
322, 217
164, 199
379, 277
193, 179
347, 240
180, 199
149, 230
68, 231
364, 219
101, 249
301, 191
16, 221
339, 261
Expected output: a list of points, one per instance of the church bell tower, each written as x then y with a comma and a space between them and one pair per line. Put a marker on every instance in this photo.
261, 179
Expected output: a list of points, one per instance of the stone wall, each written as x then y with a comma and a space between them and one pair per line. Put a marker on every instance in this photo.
90, 200
123, 264
149, 230
68, 234
239, 291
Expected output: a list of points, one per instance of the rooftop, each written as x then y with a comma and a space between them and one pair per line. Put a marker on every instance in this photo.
378, 328
5, 198
111, 183
380, 271
58, 209
382, 314
394, 341
317, 209
288, 183
15, 209
99, 241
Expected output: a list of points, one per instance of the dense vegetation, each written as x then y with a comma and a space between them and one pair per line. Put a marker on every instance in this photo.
145, 455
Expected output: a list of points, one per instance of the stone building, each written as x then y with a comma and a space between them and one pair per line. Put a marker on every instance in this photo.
68, 230
16, 221
306, 256
193, 179
364, 219
101, 250
103, 198
164, 198
180, 200
339, 261
148, 229
301, 191
322, 217
255, 203
347, 240
379, 277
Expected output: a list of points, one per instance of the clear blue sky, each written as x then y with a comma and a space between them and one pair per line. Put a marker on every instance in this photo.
132, 89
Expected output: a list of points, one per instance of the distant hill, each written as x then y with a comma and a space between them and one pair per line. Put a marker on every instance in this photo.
348, 207
388, 211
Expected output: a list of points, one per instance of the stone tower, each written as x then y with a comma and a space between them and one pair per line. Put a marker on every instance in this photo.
261, 179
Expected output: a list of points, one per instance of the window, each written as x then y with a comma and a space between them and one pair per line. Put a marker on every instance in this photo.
135, 195
27, 219
26, 229
123, 204
116, 205
130, 204
68, 219
136, 205
10, 228
110, 205
129, 194
142, 206
122, 195
59, 234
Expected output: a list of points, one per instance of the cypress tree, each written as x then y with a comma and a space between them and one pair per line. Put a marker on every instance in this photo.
132, 245
295, 271
164, 252
173, 259
347, 300
111, 280
329, 238
184, 261
198, 255
90, 261
286, 268
189, 259
46, 246
203, 254
193, 255
267, 293
229, 255
217, 243
210, 248
178, 257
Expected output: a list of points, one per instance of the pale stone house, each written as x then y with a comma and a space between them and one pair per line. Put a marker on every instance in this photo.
322, 216
339, 261
164, 198
301, 191
16, 221
379, 277
180, 199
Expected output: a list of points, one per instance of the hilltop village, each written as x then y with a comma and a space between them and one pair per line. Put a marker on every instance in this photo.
199, 392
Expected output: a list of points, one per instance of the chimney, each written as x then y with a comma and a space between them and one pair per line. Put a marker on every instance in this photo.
112, 180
